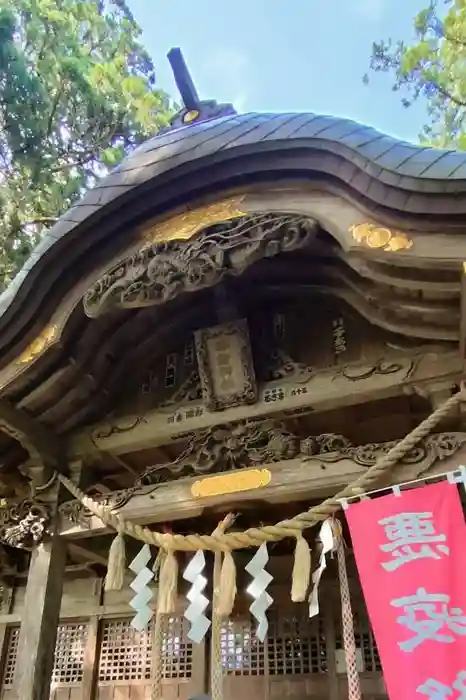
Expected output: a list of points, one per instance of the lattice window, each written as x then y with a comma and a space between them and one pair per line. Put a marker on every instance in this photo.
125, 653
242, 653
69, 653
11, 657
364, 639
295, 645
170, 370
177, 650
189, 354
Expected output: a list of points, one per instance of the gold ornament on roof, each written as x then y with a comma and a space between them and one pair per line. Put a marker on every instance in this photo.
380, 238
41, 343
184, 226
190, 116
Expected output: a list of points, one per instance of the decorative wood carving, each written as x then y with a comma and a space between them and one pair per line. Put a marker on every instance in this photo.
250, 443
225, 366
231, 483
78, 515
161, 272
299, 466
374, 236
24, 525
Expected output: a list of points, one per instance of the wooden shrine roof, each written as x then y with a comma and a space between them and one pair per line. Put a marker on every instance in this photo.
66, 373
382, 173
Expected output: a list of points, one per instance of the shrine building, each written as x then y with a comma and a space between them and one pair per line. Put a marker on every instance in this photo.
243, 317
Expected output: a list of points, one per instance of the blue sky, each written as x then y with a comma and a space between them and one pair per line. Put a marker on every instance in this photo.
285, 55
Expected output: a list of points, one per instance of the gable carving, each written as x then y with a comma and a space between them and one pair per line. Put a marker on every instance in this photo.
162, 271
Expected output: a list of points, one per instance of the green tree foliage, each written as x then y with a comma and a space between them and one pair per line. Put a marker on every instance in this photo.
433, 68
77, 92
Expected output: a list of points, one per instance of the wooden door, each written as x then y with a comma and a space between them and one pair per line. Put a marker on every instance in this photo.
290, 663
300, 658
125, 662
68, 667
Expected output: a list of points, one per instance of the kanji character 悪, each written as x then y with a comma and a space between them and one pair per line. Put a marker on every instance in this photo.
411, 536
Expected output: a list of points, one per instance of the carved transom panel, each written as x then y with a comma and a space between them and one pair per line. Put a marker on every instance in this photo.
250, 443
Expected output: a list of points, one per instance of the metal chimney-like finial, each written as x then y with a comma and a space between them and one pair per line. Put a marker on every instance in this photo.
183, 80
194, 110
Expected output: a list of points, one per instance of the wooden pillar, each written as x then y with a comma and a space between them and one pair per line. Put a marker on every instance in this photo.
91, 660
40, 618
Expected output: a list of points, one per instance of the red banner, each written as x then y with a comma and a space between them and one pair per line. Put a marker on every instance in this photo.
411, 555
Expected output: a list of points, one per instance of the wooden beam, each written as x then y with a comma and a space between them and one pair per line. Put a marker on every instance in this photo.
41, 443
85, 554
36, 646
291, 480
323, 392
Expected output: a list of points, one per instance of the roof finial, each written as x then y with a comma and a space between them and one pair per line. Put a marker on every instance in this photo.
194, 110
183, 79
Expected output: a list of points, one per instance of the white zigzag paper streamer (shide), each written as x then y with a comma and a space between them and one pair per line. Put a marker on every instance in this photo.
198, 602
140, 602
257, 589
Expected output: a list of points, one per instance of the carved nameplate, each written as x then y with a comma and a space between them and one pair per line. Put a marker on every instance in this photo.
231, 483
225, 366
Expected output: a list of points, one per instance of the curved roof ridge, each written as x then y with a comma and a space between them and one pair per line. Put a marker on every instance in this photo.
389, 161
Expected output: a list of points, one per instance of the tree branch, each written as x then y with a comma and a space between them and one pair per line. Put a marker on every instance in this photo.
448, 96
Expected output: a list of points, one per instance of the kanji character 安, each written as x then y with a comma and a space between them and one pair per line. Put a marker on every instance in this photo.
429, 616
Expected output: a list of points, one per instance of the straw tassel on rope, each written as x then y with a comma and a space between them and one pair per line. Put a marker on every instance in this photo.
227, 587
168, 584
116, 567
225, 600
301, 570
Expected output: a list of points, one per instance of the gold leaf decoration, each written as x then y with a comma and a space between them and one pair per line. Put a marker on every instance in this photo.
184, 226
231, 483
380, 238
37, 347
